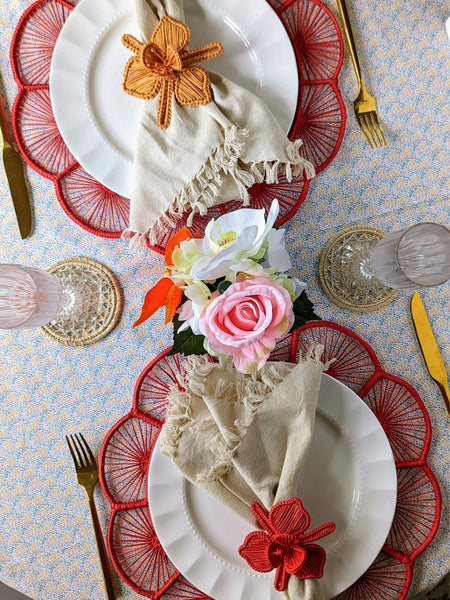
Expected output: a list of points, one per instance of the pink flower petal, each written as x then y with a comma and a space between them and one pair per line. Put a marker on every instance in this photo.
246, 320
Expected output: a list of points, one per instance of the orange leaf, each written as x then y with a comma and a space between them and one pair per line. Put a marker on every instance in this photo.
173, 302
174, 241
154, 299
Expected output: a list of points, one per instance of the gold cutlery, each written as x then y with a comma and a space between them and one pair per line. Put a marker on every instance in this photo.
364, 105
16, 179
430, 349
87, 476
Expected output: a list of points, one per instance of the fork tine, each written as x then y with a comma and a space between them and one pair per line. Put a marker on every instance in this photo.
69, 443
80, 448
379, 128
88, 450
370, 129
76, 449
374, 127
362, 124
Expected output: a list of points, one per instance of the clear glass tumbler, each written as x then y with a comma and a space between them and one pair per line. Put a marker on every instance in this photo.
413, 258
29, 297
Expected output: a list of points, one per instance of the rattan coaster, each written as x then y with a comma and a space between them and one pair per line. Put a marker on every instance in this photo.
100, 302
334, 275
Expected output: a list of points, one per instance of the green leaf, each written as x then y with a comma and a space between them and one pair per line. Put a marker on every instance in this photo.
186, 342
303, 311
223, 286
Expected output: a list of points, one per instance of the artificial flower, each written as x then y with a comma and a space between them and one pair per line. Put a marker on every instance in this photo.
246, 320
276, 256
232, 237
285, 545
228, 293
184, 257
165, 292
165, 66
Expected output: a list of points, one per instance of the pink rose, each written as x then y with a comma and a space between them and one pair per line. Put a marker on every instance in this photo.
246, 321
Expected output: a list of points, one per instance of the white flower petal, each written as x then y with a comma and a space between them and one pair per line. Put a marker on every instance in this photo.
219, 264
185, 311
276, 255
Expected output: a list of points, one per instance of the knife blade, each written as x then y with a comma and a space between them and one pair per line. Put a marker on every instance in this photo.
14, 170
429, 347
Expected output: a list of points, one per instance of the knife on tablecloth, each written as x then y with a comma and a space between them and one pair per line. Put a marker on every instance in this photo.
429, 347
16, 179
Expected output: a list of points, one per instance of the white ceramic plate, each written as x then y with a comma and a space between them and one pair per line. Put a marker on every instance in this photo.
98, 121
349, 477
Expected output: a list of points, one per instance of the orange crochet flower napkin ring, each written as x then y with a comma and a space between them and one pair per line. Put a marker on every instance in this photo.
164, 65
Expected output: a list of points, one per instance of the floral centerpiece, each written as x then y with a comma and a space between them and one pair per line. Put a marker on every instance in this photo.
229, 293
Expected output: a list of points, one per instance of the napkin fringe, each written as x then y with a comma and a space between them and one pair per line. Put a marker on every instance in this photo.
231, 386
202, 192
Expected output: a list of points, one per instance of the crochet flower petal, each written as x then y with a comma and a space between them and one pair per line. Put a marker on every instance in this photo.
174, 59
139, 81
203, 53
295, 559
170, 32
152, 57
281, 578
289, 516
318, 532
255, 550
165, 104
312, 567
130, 42
192, 87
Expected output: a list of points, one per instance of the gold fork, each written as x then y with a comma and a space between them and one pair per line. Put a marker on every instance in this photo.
87, 476
364, 105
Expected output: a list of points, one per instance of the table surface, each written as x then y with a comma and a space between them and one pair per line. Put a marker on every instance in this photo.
47, 390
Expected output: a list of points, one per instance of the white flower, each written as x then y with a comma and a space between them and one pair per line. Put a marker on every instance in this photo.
183, 257
231, 238
198, 295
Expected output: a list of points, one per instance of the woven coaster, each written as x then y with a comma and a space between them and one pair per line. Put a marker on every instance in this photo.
336, 280
99, 298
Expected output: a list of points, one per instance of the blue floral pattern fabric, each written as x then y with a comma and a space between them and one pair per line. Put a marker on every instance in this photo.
48, 390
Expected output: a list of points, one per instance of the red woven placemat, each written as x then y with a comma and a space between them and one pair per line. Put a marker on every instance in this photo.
319, 119
126, 451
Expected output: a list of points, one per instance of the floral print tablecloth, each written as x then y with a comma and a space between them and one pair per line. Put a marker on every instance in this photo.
46, 390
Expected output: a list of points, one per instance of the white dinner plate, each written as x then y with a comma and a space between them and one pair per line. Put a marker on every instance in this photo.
349, 477
98, 121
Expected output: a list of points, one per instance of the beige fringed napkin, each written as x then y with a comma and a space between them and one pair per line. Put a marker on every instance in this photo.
208, 154
245, 439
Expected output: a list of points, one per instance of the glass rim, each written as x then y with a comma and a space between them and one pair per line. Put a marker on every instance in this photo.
25, 271
404, 232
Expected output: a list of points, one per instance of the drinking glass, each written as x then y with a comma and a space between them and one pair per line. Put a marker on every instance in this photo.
31, 297
409, 259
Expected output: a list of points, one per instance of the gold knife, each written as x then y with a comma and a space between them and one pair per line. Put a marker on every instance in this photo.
429, 347
16, 179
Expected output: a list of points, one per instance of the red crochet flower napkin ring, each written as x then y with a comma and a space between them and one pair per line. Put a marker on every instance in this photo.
284, 544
